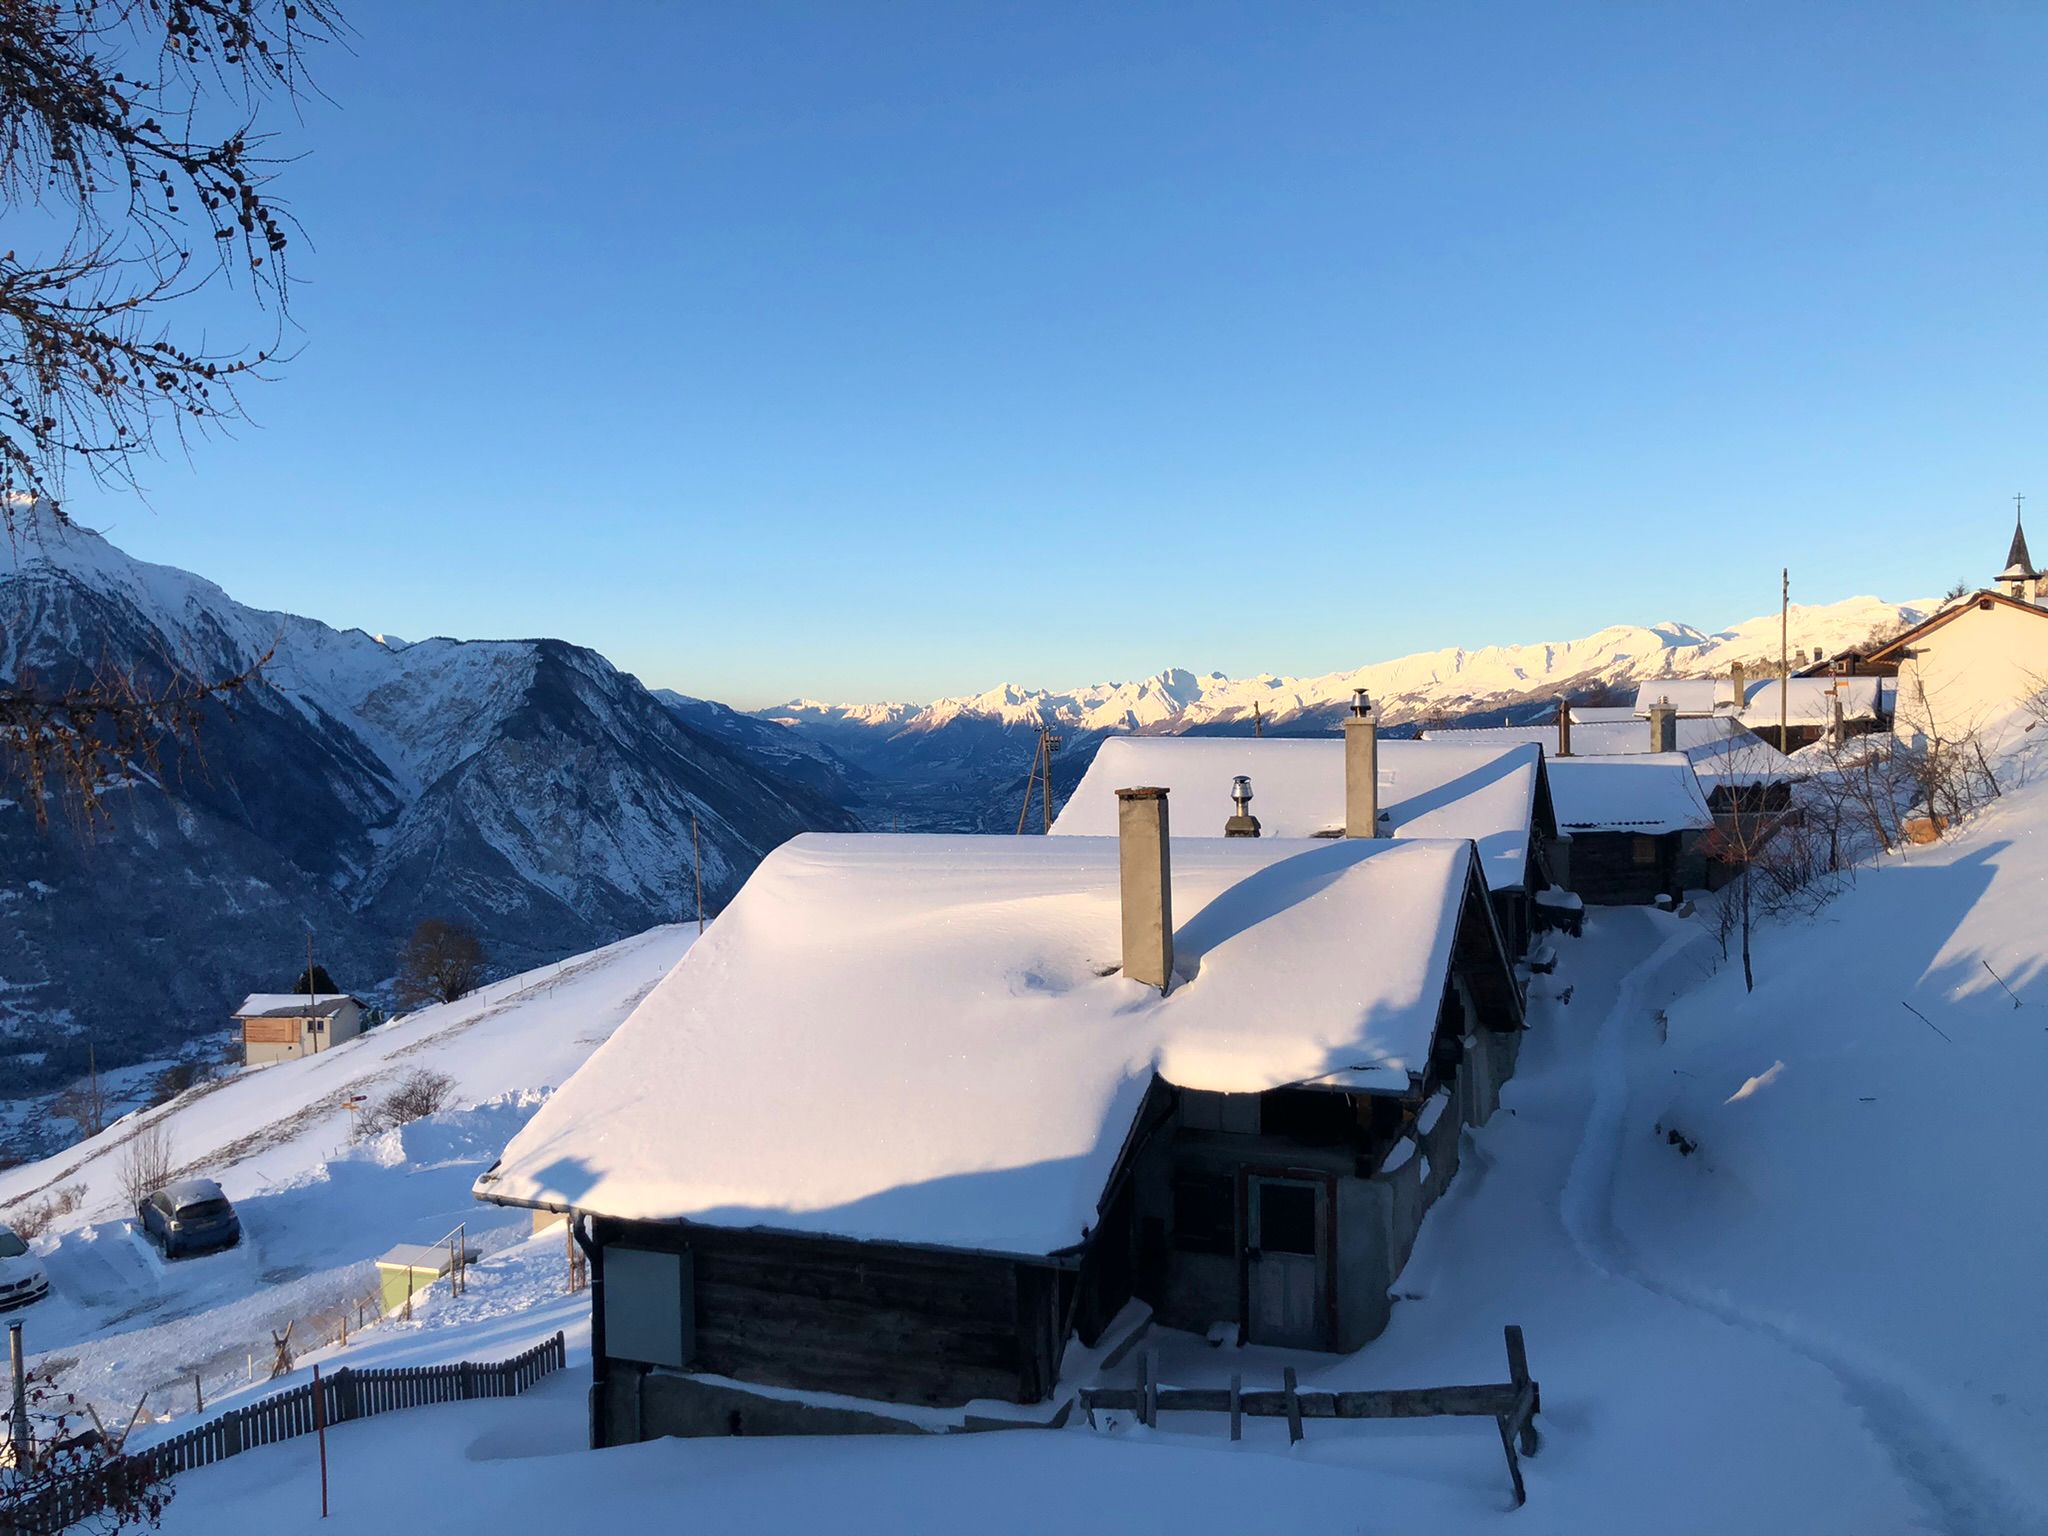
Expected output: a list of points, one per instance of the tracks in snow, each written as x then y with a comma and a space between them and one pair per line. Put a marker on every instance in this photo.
1960, 1491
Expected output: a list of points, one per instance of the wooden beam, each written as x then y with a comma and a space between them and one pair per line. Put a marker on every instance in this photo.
1236, 1406
1484, 1402
1293, 1406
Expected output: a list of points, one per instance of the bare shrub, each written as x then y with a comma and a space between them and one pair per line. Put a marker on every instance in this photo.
146, 1166
418, 1094
32, 1218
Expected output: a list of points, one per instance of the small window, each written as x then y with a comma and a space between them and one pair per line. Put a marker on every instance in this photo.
649, 1306
1204, 1213
1287, 1218
1645, 852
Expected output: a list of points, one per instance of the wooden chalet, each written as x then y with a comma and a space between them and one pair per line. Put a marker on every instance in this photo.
1635, 825
920, 1112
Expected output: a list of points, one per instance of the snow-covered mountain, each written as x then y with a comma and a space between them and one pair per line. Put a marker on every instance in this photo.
1453, 680
526, 787
959, 763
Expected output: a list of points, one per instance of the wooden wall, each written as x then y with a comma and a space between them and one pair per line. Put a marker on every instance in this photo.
868, 1319
1606, 870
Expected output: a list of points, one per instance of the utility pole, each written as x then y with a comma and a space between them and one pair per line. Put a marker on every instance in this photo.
697, 865
1258, 720
1784, 657
309, 992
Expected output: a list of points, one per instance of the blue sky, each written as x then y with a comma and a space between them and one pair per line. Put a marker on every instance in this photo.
886, 350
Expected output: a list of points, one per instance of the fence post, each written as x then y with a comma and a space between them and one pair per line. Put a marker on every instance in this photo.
1293, 1406
1236, 1406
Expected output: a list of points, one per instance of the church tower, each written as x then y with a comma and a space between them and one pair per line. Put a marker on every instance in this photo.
2019, 577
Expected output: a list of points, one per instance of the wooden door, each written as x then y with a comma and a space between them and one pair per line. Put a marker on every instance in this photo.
1285, 1261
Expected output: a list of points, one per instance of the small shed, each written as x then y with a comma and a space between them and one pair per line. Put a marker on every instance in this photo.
409, 1269
282, 1026
1635, 823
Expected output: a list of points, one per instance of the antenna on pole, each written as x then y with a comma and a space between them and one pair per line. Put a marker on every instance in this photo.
1784, 658
1258, 720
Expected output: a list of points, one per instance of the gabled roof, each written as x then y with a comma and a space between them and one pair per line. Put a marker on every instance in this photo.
1687, 695
280, 1005
1717, 742
1975, 602
1652, 793
926, 1040
1809, 700
1493, 793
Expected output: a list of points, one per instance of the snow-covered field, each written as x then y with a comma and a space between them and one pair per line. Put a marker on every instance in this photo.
1823, 1317
317, 1206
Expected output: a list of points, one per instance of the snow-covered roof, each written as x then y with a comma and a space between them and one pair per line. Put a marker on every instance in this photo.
1687, 695
1602, 714
277, 1005
1649, 793
1807, 700
927, 1039
1713, 743
1487, 792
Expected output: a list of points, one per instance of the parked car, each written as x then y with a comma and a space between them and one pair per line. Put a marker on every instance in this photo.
22, 1277
188, 1217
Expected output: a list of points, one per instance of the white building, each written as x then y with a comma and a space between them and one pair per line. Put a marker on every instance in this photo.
282, 1026
1976, 662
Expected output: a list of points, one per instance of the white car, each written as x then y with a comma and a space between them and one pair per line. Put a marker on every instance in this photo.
22, 1277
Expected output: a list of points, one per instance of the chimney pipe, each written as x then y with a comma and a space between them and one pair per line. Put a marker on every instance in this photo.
1144, 876
1663, 727
1243, 823
1564, 726
1738, 675
1361, 768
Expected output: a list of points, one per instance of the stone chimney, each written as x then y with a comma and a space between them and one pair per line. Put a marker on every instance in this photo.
1564, 726
1663, 727
1242, 822
1738, 675
1361, 768
1144, 876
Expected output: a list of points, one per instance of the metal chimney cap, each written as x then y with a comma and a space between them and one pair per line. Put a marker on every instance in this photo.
1361, 703
1241, 788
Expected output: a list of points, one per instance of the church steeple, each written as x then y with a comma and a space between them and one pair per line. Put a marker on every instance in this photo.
2019, 565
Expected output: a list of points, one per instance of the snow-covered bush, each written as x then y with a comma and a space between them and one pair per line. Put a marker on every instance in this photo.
418, 1094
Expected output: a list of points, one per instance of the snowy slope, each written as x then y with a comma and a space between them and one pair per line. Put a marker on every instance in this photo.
1823, 1319
316, 1207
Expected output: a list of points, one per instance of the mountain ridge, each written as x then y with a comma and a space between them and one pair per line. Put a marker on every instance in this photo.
1405, 687
526, 787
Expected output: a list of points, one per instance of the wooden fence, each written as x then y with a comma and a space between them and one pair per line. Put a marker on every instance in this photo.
347, 1394
1511, 1404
